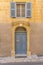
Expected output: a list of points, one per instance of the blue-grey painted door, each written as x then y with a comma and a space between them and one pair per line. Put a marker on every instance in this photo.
21, 43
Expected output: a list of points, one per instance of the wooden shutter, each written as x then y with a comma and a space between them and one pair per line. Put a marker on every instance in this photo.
13, 9
28, 9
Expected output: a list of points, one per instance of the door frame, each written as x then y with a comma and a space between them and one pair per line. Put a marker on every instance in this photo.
25, 25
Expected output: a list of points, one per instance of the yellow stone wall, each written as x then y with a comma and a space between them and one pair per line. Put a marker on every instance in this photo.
36, 34
37, 10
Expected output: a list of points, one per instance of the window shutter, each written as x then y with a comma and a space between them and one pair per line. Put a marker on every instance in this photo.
28, 9
13, 9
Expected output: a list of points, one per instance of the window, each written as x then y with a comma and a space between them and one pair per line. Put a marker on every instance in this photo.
21, 9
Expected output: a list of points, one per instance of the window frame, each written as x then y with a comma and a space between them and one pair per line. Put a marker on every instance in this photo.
16, 8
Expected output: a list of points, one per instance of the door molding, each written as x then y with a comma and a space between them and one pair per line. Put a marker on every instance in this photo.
27, 27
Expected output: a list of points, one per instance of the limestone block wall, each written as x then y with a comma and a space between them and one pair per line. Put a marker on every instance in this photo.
37, 10
36, 26
36, 38
5, 39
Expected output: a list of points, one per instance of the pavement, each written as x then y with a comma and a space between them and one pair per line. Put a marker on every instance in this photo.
23, 63
32, 58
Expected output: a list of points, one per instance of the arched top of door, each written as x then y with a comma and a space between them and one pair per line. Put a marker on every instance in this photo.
20, 29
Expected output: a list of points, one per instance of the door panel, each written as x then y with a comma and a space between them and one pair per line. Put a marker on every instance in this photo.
21, 43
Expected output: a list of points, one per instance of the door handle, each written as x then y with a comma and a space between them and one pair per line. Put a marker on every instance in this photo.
17, 40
